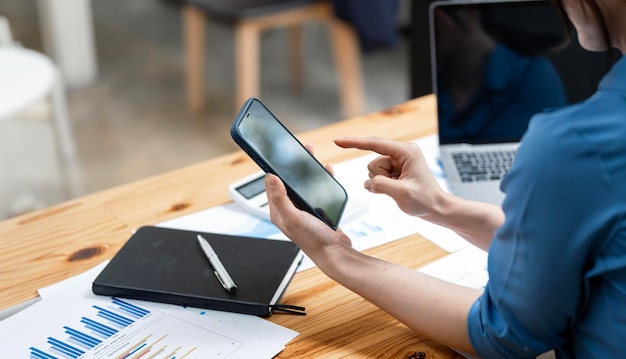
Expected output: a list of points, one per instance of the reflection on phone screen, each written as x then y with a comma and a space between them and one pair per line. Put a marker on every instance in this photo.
293, 163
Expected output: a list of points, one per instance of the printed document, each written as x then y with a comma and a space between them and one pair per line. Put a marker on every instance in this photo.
71, 322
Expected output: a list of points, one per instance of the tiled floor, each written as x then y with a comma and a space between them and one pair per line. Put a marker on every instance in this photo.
132, 122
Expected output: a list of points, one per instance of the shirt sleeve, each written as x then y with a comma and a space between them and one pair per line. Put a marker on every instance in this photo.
537, 258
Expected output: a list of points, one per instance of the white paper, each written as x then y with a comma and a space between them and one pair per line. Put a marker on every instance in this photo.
62, 325
467, 267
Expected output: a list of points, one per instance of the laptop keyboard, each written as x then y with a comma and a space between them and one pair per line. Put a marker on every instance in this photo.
483, 166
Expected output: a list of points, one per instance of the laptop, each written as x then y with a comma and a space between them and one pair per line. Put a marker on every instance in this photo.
494, 66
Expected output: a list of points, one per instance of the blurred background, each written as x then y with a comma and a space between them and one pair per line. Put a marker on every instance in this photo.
132, 122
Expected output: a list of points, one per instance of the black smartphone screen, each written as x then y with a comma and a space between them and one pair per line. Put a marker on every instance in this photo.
276, 150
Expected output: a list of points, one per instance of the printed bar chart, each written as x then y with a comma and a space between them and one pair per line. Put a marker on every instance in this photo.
100, 324
144, 347
86, 340
98, 327
362, 229
129, 308
70, 322
159, 340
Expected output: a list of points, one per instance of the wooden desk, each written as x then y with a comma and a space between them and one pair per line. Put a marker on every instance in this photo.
44, 247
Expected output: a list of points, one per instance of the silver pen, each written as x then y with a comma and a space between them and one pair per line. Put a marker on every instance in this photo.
219, 270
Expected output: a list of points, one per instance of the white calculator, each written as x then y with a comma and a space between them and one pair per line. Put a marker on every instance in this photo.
249, 193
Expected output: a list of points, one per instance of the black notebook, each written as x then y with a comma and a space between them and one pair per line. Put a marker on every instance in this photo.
169, 266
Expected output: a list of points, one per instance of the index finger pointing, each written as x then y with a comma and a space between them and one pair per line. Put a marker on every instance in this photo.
379, 145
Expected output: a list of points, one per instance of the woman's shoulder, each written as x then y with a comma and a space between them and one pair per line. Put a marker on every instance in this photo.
605, 108
603, 112
593, 130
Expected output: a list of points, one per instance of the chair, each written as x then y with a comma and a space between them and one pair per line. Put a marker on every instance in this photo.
27, 77
250, 18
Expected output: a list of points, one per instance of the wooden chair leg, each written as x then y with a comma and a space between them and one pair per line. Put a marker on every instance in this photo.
295, 56
194, 23
247, 57
348, 62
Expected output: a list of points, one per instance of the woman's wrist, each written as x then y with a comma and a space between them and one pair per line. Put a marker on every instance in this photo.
335, 261
441, 208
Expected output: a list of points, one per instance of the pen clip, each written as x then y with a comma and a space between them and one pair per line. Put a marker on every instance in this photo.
230, 290
220, 279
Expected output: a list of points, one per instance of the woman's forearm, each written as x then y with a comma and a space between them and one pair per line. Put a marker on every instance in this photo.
432, 307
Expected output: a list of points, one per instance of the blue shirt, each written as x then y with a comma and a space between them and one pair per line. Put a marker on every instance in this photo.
557, 266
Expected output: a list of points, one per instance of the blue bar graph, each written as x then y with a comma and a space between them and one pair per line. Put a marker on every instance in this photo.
64, 348
130, 308
38, 354
113, 317
372, 228
364, 229
85, 339
97, 326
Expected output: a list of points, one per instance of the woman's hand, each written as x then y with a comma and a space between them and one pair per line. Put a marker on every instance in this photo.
312, 235
401, 172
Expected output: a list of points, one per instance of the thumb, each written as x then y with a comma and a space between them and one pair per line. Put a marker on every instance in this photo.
277, 197
274, 187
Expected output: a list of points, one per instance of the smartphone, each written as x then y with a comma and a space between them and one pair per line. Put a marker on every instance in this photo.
276, 150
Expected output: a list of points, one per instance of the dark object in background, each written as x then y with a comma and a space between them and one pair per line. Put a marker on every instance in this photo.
375, 21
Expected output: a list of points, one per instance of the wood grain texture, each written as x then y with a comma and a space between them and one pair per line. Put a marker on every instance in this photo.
44, 247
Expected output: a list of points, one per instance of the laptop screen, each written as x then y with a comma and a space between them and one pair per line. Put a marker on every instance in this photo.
496, 64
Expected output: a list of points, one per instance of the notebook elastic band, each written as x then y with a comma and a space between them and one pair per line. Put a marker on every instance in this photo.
288, 309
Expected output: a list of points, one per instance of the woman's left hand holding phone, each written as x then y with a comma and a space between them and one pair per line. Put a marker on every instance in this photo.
308, 232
